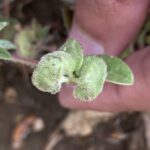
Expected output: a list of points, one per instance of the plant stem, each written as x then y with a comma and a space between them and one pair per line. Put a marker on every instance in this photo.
28, 63
24, 62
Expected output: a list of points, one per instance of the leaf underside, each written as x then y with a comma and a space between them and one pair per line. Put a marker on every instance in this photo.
7, 44
4, 54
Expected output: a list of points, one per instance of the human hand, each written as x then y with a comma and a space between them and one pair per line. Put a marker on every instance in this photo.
108, 27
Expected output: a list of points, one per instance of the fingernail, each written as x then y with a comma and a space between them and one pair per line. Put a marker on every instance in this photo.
90, 45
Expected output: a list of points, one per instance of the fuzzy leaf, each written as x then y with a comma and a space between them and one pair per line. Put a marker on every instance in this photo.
74, 48
4, 54
53, 70
6, 44
92, 77
25, 41
118, 71
3, 25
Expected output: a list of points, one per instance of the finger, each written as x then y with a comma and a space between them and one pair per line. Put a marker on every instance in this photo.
108, 24
117, 98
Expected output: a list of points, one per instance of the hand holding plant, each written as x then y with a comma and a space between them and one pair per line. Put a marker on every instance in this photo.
104, 29
107, 27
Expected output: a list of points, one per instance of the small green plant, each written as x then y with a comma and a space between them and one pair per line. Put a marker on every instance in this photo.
88, 73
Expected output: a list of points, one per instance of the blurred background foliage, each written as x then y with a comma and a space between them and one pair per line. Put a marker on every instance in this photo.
32, 120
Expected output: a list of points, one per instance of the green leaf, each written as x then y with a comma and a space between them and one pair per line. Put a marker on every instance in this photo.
74, 48
118, 71
92, 77
3, 24
53, 70
7, 44
4, 54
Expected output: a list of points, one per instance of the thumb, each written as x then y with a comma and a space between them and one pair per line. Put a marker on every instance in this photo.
117, 98
108, 25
